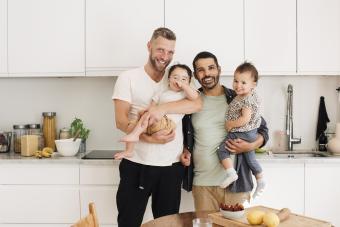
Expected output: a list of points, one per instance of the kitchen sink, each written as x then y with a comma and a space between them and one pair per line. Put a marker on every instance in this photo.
299, 154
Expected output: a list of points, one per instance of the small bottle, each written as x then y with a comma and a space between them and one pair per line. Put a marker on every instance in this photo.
49, 129
64, 133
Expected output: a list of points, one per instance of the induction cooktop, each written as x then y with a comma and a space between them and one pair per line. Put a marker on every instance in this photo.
101, 154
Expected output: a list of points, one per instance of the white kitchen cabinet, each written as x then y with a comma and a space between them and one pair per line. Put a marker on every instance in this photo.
39, 193
104, 198
42, 174
117, 33
39, 203
322, 191
318, 35
3, 38
46, 38
216, 27
285, 186
270, 36
99, 184
99, 174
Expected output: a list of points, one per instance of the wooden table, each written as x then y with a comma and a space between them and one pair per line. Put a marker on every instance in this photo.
185, 220
178, 220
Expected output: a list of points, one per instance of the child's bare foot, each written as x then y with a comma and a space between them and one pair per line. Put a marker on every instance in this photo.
123, 154
130, 138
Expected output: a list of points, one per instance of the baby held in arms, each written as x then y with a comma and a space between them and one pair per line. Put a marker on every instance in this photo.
242, 120
178, 88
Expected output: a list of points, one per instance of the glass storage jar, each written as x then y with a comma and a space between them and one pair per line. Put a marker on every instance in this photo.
64, 133
18, 132
34, 129
49, 129
5, 141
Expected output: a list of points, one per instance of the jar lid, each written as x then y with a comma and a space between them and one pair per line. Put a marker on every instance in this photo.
49, 114
20, 126
34, 126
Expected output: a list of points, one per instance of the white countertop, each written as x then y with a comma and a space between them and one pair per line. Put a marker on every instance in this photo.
58, 159
265, 158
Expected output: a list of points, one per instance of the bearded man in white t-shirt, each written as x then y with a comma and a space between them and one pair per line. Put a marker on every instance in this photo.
154, 169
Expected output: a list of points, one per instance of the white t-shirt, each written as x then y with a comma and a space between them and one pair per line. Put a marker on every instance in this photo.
167, 95
137, 88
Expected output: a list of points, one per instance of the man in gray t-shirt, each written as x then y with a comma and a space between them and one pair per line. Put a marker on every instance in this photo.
208, 131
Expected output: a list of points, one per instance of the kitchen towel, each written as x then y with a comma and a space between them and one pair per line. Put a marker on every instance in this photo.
322, 118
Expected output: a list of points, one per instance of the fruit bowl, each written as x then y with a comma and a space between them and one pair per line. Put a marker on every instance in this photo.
232, 214
232, 211
67, 147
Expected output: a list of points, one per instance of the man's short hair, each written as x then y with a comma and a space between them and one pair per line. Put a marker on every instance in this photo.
248, 67
163, 32
204, 54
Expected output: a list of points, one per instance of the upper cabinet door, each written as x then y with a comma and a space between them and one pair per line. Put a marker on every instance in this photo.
46, 37
117, 33
318, 37
270, 35
3, 38
215, 26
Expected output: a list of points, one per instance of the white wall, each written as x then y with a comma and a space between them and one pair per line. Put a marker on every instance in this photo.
24, 99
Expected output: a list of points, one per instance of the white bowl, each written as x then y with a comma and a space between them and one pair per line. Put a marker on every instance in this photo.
67, 147
232, 214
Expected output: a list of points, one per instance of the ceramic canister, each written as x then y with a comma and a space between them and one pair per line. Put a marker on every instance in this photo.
334, 144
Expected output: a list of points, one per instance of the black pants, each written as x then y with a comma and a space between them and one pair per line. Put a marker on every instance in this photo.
138, 182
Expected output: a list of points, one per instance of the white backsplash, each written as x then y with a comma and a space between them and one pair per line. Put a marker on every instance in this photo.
24, 99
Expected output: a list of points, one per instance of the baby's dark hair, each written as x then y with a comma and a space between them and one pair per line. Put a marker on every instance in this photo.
182, 66
248, 67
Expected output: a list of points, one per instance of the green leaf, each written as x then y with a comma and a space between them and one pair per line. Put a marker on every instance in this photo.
77, 124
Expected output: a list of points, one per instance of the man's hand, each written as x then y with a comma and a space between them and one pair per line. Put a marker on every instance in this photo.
185, 157
238, 146
160, 137
156, 113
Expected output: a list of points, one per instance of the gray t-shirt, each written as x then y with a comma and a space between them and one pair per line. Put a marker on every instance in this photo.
209, 128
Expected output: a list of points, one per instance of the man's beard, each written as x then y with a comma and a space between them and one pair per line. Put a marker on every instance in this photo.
212, 84
156, 66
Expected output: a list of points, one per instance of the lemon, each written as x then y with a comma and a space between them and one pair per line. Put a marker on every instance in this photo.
255, 217
270, 219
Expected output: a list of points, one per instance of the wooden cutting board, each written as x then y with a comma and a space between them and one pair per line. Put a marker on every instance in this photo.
294, 220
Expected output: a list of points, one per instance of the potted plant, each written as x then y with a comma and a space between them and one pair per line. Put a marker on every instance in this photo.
78, 125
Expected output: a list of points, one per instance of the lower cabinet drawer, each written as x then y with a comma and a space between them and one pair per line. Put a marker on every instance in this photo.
104, 198
39, 204
99, 175
48, 173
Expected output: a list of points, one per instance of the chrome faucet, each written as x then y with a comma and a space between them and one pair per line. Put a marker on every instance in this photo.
289, 120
